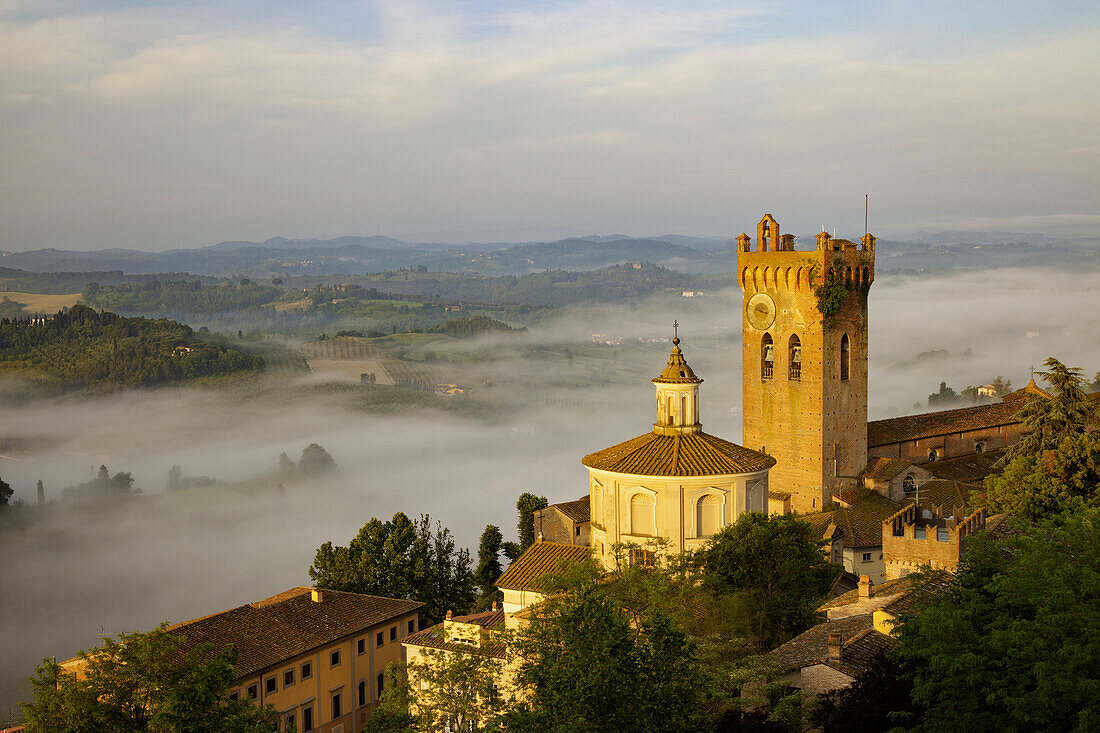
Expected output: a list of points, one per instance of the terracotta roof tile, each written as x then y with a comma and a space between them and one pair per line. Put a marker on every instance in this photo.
861, 644
860, 523
271, 631
885, 469
485, 619
691, 454
930, 424
578, 511
970, 469
880, 590
539, 559
433, 639
946, 494
937, 584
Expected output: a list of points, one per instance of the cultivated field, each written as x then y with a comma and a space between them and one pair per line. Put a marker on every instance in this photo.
39, 302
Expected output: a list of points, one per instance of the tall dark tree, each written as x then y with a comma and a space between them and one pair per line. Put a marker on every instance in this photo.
5, 492
316, 461
1048, 421
1038, 486
877, 701
488, 560
527, 505
775, 565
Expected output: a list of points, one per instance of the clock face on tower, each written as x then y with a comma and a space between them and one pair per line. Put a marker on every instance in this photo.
760, 311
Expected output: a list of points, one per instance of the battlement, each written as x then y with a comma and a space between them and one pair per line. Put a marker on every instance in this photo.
768, 239
775, 263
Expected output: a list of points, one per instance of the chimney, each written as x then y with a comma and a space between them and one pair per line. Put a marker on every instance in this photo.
496, 605
865, 586
836, 647
450, 615
317, 595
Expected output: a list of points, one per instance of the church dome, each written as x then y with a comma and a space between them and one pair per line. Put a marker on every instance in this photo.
689, 454
677, 371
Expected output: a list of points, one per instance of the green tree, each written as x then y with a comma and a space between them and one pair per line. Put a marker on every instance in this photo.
392, 714
1046, 422
878, 700
315, 461
583, 667
400, 559
457, 690
1039, 486
527, 505
143, 682
5, 492
1013, 644
775, 565
488, 560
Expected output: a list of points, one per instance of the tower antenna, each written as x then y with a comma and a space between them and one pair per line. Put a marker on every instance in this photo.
866, 198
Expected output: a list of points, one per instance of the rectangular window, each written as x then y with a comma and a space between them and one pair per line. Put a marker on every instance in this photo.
288, 724
334, 658
360, 646
235, 695
866, 557
378, 639
253, 692
307, 670
307, 719
393, 633
288, 677
919, 532
269, 685
412, 626
642, 558
941, 534
336, 712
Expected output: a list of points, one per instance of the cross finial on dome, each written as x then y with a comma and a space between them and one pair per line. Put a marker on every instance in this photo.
676, 332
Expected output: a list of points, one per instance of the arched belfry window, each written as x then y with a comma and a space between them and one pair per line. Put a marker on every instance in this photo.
909, 483
794, 363
933, 455
767, 357
845, 358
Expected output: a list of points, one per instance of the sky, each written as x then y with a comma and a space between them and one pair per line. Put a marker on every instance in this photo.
165, 124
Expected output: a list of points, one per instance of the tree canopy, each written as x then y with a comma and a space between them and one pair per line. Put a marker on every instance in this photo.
1014, 644
1038, 486
143, 682
1048, 421
400, 558
775, 565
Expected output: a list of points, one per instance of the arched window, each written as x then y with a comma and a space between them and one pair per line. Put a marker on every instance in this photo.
909, 483
794, 356
381, 682
597, 505
668, 418
767, 357
684, 410
708, 515
933, 455
362, 693
642, 515
845, 358
979, 447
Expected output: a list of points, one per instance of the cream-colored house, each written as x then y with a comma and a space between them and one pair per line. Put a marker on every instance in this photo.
674, 482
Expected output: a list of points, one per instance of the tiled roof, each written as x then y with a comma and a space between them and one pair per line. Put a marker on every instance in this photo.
433, 638
946, 494
691, 454
885, 469
931, 424
970, 469
779, 495
1028, 390
275, 629
861, 644
844, 582
485, 619
578, 511
539, 559
860, 524
906, 602
886, 589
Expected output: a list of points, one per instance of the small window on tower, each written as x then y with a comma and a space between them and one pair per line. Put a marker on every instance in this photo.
845, 358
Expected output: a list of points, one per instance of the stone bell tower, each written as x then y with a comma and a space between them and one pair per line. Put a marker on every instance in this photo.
804, 359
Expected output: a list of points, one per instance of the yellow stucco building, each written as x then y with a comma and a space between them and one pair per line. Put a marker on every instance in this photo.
674, 482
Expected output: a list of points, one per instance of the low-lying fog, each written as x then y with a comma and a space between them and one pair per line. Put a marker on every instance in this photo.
74, 574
